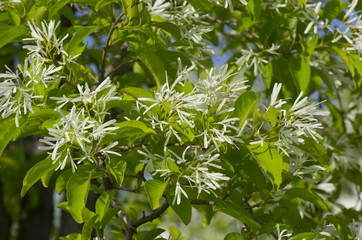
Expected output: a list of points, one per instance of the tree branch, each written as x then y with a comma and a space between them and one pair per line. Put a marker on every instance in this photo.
202, 202
149, 218
106, 45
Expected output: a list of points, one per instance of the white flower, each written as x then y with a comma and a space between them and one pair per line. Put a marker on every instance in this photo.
178, 192
311, 14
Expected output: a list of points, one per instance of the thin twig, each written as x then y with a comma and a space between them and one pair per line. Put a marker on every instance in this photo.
106, 45
202, 202
126, 148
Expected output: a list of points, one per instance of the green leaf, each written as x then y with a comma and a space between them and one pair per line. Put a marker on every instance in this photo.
10, 33
73, 47
46, 178
255, 8
57, 6
118, 171
169, 27
137, 92
77, 193
237, 212
183, 210
310, 236
341, 226
36, 172
233, 236
108, 216
309, 196
154, 65
152, 234
316, 150
7, 132
331, 10
103, 202
128, 129
203, 5
244, 106
270, 160
272, 115
62, 181
269, 28
73, 236
300, 71
88, 227
154, 190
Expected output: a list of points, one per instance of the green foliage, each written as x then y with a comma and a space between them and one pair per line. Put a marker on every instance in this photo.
127, 104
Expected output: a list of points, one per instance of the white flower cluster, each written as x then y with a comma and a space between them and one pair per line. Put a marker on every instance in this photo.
188, 20
84, 127
250, 58
172, 111
295, 122
201, 169
19, 89
47, 45
350, 29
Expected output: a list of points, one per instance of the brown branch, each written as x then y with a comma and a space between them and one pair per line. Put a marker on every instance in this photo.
202, 202
106, 45
149, 218
225, 22
126, 148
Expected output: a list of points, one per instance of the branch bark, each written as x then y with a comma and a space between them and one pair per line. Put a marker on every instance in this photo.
106, 45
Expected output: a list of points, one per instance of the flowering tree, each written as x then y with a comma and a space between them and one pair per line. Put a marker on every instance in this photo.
128, 101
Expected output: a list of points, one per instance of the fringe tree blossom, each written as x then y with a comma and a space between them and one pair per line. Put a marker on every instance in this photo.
251, 58
77, 131
17, 90
296, 121
47, 45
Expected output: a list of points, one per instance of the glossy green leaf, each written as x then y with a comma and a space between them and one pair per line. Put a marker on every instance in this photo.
310, 236
203, 5
137, 92
316, 150
111, 212
118, 171
340, 225
331, 9
245, 105
57, 6
73, 236
36, 172
7, 132
88, 227
127, 129
154, 190
73, 47
62, 181
272, 115
309, 196
10, 33
300, 71
77, 193
103, 202
269, 27
170, 28
233, 236
183, 210
154, 65
270, 160
152, 234
255, 8
237, 212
